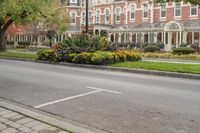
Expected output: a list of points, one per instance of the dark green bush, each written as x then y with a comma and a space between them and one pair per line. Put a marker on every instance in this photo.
160, 45
183, 51
194, 46
151, 48
143, 45
184, 45
87, 41
10, 42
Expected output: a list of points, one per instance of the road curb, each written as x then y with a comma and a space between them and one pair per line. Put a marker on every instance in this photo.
128, 70
44, 118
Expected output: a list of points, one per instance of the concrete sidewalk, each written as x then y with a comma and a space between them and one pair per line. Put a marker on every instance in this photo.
16, 118
13, 122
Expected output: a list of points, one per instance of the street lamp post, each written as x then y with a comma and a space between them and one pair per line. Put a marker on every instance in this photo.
86, 17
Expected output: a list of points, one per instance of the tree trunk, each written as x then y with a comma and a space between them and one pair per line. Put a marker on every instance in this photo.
50, 42
2, 42
3, 34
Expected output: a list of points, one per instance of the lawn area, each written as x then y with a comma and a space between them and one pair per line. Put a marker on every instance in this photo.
19, 55
171, 67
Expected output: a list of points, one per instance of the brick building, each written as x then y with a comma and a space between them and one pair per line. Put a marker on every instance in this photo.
136, 22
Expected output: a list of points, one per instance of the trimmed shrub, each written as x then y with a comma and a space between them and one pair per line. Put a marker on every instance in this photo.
160, 45
143, 45
184, 45
151, 48
194, 46
180, 51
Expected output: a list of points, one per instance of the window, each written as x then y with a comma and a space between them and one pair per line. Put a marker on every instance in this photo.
193, 10
145, 11
118, 14
132, 12
98, 16
83, 3
178, 9
73, 17
90, 17
163, 11
73, 1
83, 17
107, 15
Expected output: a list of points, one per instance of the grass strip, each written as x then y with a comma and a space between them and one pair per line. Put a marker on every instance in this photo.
18, 55
160, 66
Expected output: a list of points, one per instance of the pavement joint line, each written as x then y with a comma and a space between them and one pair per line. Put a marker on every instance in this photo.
66, 99
45, 119
111, 91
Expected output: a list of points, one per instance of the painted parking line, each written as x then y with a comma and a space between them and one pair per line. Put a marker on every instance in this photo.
96, 90
111, 91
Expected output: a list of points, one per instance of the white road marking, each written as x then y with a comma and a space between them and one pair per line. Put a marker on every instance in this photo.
111, 91
68, 98
96, 90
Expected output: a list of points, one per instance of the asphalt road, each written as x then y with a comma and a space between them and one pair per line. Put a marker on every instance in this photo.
111, 101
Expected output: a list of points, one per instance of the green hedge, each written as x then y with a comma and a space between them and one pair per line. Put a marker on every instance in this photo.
183, 50
151, 48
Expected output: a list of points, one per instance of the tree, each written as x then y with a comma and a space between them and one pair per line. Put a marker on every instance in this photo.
50, 35
195, 2
16, 12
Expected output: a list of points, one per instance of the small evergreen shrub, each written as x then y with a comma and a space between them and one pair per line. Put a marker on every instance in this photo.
151, 48
183, 50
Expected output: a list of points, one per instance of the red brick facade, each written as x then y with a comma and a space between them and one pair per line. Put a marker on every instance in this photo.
136, 21
125, 12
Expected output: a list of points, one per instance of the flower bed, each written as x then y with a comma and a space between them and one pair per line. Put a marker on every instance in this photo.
94, 58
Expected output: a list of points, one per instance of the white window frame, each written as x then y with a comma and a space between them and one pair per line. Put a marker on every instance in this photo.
74, 18
162, 10
83, 18
98, 10
90, 17
175, 9
116, 14
197, 11
143, 11
73, 1
107, 15
130, 11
